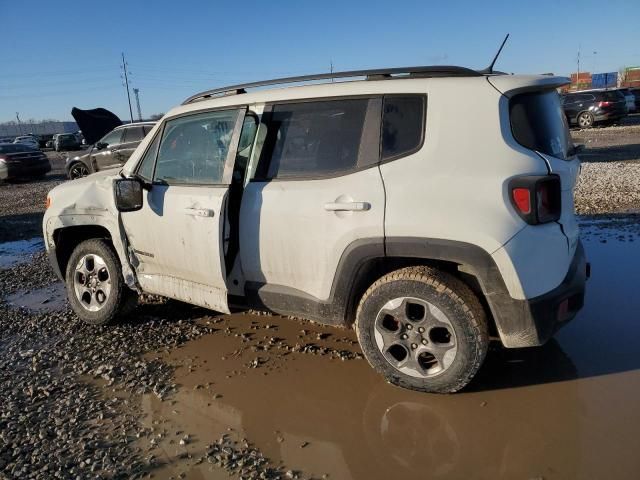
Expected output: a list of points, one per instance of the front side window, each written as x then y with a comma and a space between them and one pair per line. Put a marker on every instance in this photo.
112, 138
538, 123
145, 171
402, 125
320, 138
194, 148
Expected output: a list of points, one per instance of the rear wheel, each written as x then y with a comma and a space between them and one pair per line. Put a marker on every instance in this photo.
422, 329
78, 170
585, 120
95, 287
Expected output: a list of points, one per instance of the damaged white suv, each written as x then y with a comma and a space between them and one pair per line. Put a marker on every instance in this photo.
370, 203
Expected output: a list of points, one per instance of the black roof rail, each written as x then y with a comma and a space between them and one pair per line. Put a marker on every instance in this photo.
376, 74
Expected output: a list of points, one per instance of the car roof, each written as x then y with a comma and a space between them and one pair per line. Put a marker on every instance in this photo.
373, 85
134, 124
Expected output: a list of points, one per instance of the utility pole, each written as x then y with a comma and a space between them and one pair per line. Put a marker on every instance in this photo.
136, 91
126, 82
578, 74
331, 68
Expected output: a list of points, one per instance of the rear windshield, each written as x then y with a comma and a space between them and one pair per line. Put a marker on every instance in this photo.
13, 148
613, 95
538, 123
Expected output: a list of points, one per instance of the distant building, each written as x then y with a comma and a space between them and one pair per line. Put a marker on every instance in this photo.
13, 129
580, 81
631, 77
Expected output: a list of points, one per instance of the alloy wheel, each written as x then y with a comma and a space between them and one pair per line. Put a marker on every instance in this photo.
415, 337
92, 282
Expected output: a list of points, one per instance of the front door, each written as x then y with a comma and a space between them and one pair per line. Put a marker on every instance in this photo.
131, 138
176, 238
104, 157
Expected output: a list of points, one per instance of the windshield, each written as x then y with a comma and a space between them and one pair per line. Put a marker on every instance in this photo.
538, 123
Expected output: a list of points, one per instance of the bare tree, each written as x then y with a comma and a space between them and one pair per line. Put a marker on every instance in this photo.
622, 76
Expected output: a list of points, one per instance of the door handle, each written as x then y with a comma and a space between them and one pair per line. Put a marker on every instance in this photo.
199, 212
347, 206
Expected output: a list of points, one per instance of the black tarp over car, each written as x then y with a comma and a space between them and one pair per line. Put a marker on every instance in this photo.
95, 123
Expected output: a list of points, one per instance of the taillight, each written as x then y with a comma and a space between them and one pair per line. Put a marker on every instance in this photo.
522, 200
605, 104
536, 198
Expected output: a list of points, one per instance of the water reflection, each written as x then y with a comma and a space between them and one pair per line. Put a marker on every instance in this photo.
557, 411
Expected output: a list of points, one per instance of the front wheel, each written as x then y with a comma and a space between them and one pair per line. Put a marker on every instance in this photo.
423, 329
95, 287
78, 170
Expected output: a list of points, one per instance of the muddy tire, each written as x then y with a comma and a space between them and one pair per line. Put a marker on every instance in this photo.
95, 287
422, 329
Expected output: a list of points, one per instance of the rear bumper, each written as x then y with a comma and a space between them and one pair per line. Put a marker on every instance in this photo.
609, 115
28, 170
531, 322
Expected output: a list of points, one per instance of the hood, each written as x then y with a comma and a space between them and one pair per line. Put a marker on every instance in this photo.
95, 123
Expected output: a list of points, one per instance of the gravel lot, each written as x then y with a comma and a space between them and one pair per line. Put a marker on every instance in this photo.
72, 394
610, 177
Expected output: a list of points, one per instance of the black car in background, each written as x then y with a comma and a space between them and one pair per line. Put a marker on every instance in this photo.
19, 161
586, 108
111, 151
636, 93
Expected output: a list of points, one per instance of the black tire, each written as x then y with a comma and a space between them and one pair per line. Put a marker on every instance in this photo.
78, 170
118, 302
585, 120
453, 299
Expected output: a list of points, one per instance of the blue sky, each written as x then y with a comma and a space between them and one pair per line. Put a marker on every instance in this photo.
60, 54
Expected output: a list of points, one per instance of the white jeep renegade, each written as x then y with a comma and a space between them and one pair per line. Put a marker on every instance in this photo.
371, 203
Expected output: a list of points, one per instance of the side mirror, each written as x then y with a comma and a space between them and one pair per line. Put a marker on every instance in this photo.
101, 145
128, 194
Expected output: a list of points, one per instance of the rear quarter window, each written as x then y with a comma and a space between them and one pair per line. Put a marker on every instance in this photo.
403, 125
538, 123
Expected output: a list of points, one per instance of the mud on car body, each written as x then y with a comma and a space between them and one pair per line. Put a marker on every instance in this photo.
369, 204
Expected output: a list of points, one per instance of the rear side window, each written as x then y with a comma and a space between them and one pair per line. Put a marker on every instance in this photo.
538, 123
319, 139
133, 134
147, 129
402, 125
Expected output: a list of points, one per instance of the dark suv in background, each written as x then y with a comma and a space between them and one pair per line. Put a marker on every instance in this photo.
111, 151
587, 108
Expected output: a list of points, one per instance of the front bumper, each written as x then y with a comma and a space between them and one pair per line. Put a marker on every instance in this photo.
531, 322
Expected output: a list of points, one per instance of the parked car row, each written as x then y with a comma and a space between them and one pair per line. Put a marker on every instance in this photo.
111, 151
587, 108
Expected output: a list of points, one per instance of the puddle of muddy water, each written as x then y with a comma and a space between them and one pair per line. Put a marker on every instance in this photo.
566, 410
14, 253
47, 299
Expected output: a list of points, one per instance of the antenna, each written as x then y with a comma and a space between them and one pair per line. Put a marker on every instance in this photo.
489, 69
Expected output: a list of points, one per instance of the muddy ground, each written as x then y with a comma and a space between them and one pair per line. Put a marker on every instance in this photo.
179, 392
